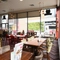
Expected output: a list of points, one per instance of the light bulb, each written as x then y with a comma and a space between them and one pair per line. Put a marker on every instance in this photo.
21, 0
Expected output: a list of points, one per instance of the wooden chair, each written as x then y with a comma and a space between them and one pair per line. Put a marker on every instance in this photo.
13, 40
39, 55
44, 48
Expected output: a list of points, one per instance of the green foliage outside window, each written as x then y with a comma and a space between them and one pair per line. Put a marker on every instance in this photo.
36, 26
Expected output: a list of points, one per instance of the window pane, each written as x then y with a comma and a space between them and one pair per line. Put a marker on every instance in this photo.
3, 26
34, 24
22, 25
49, 22
12, 25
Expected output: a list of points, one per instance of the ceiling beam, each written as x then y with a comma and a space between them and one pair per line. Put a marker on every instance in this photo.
29, 10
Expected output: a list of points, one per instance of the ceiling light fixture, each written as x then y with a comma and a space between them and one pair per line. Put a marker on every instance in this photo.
21, 0
31, 4
3, 0
4, 10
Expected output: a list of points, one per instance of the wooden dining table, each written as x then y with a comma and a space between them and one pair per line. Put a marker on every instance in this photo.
25, 56
32, 45
35, 42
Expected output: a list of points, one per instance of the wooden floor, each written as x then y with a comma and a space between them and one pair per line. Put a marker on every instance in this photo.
5, 56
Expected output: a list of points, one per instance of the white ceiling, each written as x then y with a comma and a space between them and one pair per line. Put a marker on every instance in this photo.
16, 5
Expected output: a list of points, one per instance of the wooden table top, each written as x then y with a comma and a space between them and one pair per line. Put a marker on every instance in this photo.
35, 42
25, 55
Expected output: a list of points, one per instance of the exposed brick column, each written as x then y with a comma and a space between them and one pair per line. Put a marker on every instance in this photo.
55, 50
58, 23
58, 27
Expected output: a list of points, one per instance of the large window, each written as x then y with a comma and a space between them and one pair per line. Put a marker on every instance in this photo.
49, 20
12, 26
22, 25
22, 22
34, 23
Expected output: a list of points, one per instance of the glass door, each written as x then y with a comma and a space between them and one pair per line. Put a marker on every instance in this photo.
4, 25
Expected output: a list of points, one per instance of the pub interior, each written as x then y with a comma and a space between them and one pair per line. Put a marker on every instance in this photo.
29, 31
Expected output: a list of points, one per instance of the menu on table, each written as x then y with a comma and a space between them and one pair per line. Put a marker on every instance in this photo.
17, 51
